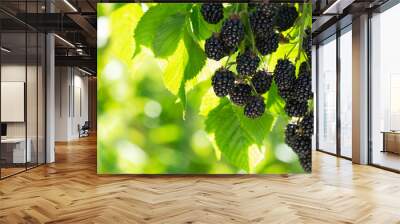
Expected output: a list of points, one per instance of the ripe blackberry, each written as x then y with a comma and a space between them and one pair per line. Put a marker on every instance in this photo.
285, 74
240, 94
252, 5
268, 9
262, 81
261, 22
302, 88
285, 17
306, 162
302, 147
267, 43
286, 94
222, 82
232, 32
255, 107
212, 12
307, 42
296, 108
291, 134
307, 125
214, 48
247, 63
304, 68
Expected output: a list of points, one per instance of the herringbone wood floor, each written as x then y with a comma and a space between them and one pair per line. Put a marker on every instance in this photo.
69, 191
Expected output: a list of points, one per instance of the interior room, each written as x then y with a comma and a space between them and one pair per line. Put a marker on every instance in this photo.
22, 100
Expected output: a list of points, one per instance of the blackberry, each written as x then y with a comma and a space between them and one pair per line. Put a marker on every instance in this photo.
240, 94
291, 134
255, 107
306, 162
212, 12
252, 5
262, 81
268, 43
284, 74
296, 108
232, 32
214, 48
286, 94
307, 42
302, 147
260, 22
302, 89
303, 68
247, 63
306, 126
222, 82
285, 17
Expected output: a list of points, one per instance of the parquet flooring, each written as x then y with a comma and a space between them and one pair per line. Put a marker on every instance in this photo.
70, 191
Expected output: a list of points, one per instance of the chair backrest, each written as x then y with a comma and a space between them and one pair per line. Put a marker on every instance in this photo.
86, 124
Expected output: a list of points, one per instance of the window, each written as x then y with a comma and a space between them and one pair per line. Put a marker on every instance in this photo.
327, 95
346, 92
385, 89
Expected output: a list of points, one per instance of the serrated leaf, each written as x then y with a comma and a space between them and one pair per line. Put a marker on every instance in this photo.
146, 29
197, 57
174, 71
208, 102
275, 104
235, 134
168, 35
196, 60
258, 128
123, 21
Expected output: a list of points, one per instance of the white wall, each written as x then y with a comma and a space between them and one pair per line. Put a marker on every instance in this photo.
71, 94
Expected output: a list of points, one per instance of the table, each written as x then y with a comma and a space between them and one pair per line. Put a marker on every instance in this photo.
18, 151
391, 141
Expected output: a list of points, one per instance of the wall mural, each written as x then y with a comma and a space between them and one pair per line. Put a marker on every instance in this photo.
204, 88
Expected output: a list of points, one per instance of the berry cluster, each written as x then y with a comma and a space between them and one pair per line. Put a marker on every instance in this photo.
296, 92
246, 87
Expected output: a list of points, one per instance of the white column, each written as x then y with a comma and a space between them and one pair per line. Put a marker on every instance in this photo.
50, 92
360, 90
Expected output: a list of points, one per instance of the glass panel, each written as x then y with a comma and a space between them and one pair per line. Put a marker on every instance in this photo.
32, 87
385, 87
41, 99
327, 96
346, 94
31, 99
13, 89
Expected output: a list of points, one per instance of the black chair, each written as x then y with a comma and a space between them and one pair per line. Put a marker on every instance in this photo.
84, 130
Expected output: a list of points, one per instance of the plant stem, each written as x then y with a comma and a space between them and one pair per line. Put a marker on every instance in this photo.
237, 6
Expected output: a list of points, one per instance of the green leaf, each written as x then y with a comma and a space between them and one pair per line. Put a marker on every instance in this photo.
208, 102
258, 128
201, 28
122, 22
168, 35
174, 72
194, 60
275, 104
235, 135
197, 57
149, 23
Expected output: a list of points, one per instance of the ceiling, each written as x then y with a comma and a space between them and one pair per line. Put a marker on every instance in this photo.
331, 15
74, 22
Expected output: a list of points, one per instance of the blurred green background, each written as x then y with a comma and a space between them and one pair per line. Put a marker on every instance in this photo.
143, 129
